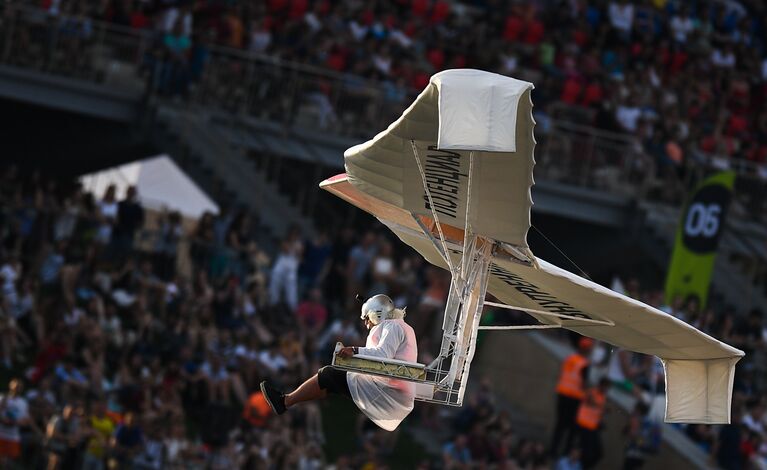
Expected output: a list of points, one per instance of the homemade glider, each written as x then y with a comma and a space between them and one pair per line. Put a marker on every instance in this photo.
451, 178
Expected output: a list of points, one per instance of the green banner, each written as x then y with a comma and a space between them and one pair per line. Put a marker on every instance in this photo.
697, 238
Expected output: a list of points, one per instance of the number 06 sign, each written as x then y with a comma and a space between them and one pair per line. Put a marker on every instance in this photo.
697, 238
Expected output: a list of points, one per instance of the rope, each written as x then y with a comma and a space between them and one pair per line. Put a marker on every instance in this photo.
583, 273
466, 227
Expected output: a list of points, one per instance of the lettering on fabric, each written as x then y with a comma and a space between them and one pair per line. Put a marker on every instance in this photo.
442, 169
547, 301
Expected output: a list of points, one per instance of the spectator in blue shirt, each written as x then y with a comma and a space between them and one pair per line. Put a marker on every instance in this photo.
456, 452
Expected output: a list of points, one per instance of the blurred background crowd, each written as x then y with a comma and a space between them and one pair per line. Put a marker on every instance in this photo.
684, 81
132, 338
144, 347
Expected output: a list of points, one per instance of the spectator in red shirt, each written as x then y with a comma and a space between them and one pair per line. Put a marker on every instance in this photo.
138, 19
513, 29
571, 91
420, 80
593, 94
440, 11
758, 154
534, 32
737, 124
337, 59
678, 61
277, 5
298, 9
420, 7
581, 34
311, 313
436, 58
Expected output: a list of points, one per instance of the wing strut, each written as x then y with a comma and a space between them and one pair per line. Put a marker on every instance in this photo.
466, 297
444, 380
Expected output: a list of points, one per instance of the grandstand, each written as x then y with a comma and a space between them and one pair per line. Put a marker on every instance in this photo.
636, 102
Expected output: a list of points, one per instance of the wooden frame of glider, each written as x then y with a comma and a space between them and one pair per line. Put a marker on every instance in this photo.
444, 380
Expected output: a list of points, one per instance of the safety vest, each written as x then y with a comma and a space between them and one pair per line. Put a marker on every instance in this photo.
590, 412
571, 376
257, 410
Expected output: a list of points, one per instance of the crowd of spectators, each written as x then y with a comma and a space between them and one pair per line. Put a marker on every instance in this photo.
145, 346
134, 338
686, 78
97, 317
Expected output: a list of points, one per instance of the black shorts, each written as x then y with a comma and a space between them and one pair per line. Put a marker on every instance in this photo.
334, 381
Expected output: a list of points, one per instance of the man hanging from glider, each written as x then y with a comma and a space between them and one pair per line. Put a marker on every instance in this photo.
386, 401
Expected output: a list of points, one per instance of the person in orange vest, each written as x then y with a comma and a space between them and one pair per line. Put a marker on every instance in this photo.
589, 422
257, 410
570, 392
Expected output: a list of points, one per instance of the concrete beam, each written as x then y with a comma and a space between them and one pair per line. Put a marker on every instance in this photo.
68, 94
581, 204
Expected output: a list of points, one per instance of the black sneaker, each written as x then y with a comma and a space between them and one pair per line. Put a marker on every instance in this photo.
274, 397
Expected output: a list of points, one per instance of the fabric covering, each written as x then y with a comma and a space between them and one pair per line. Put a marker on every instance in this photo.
384, 400
459, 110
161, 185
484, 121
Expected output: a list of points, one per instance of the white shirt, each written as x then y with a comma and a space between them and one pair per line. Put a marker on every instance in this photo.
681, 27
9, 276
722, 59
628, 117
384, 400
383, 266
509, 63
248, 307
260, 41
174, 447
215, 375
347, 332
17, 409
400, 38
73, 318
313, 22
382, 63
359, 31
273, 362
622, 16
614, 367
48, 396
171, 16
108, 209
753, 423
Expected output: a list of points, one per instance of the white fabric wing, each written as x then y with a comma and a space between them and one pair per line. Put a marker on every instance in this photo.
470, 110
386, 169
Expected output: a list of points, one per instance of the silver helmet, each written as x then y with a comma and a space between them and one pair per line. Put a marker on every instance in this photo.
377, 308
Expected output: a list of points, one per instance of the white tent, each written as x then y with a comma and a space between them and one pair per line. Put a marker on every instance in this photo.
161, 185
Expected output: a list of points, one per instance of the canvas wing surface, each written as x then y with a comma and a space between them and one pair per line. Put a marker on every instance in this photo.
465, 116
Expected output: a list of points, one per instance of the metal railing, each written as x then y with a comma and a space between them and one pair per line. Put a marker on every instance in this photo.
296, 95
243, 83
213, 76
71, 46
588, 157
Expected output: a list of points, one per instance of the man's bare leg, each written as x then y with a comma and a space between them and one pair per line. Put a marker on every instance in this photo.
309, 390
279, 402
